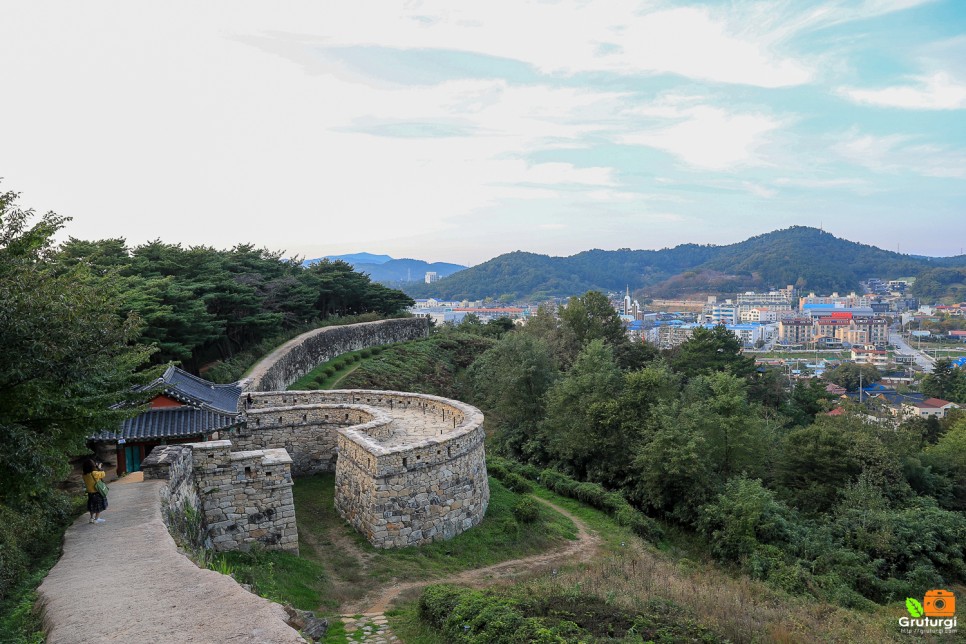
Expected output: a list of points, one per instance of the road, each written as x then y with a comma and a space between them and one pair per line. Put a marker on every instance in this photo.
925, 362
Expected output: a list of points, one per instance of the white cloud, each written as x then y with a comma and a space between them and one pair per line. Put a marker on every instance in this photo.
710, 137
937, 91
897, 153
618, 36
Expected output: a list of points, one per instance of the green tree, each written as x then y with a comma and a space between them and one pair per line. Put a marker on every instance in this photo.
582, 428
948, 457
510, 381
696, 443
808, 399
545, 325
849, 375
743, 517
591, 317
69, 355
711, 350
945, 382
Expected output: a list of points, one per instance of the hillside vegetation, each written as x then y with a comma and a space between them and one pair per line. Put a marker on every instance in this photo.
807, 258
754, 478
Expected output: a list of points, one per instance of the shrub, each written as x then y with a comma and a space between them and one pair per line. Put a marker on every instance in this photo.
517, 483
526, 510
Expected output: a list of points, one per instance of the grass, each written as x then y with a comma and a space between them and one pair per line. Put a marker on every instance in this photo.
280, 576
328, 374
337, 565
405, 623
735, 606
634, 576
352, 566
20, 623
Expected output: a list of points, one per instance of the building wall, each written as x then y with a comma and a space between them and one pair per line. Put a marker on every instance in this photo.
300, 355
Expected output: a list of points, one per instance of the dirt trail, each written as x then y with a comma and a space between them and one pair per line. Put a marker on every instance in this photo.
126, 581
582, 549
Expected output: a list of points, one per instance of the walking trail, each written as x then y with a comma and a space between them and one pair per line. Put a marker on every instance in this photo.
126, 581
368, 616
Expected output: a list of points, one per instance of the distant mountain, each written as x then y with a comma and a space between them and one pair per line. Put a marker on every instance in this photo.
398, 271
807, 258
352, 258
385, 269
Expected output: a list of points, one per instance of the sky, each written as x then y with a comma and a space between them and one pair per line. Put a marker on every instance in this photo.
457, 131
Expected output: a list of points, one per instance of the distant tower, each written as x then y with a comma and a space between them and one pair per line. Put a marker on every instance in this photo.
627, 302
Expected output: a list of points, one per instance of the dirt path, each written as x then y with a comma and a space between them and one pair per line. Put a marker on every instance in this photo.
582, 549
335, 385
126, 581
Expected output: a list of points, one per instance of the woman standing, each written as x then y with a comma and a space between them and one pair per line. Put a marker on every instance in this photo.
96, 502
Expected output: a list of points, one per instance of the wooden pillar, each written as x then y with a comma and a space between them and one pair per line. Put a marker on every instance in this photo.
121, 461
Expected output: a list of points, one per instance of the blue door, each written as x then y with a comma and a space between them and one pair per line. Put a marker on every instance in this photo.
132, 458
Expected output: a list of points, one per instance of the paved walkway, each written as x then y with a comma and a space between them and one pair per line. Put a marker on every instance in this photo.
125, 581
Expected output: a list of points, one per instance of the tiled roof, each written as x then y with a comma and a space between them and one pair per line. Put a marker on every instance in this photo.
187, 388
937, 402
169, 422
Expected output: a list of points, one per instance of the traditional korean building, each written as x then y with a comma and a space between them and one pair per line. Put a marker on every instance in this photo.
182, 408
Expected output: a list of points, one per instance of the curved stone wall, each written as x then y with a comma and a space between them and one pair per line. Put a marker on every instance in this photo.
300, 355
410, 468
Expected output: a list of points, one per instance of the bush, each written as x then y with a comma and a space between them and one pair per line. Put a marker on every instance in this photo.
526, 510
29, 533
613, 503
517, 483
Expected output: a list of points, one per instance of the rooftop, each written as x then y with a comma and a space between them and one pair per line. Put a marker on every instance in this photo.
189, 389
169, 422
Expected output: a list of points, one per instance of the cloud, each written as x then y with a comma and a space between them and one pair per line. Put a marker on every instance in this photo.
937, 91
613, 36
710, 137
898, 153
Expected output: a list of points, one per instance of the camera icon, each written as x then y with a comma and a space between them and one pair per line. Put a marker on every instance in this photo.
939, 603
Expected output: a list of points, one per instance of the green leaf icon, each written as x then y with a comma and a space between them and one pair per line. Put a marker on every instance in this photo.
914, 607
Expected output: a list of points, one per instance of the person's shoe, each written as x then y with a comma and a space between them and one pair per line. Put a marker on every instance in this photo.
91, 521
100, 520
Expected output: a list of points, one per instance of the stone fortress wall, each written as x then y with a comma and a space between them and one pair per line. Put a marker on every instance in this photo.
302, 354
240, 498
409, 468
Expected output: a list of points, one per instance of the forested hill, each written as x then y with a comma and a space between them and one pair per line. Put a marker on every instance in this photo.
805, 257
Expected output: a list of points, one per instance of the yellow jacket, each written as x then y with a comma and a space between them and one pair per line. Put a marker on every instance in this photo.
91, 479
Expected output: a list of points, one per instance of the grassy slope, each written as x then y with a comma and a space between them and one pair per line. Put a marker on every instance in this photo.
636, 577
338, 565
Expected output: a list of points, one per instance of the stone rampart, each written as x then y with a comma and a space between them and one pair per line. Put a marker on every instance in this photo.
419, 478
308, 432
300, 355
432, 491
244, 498
179, 498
